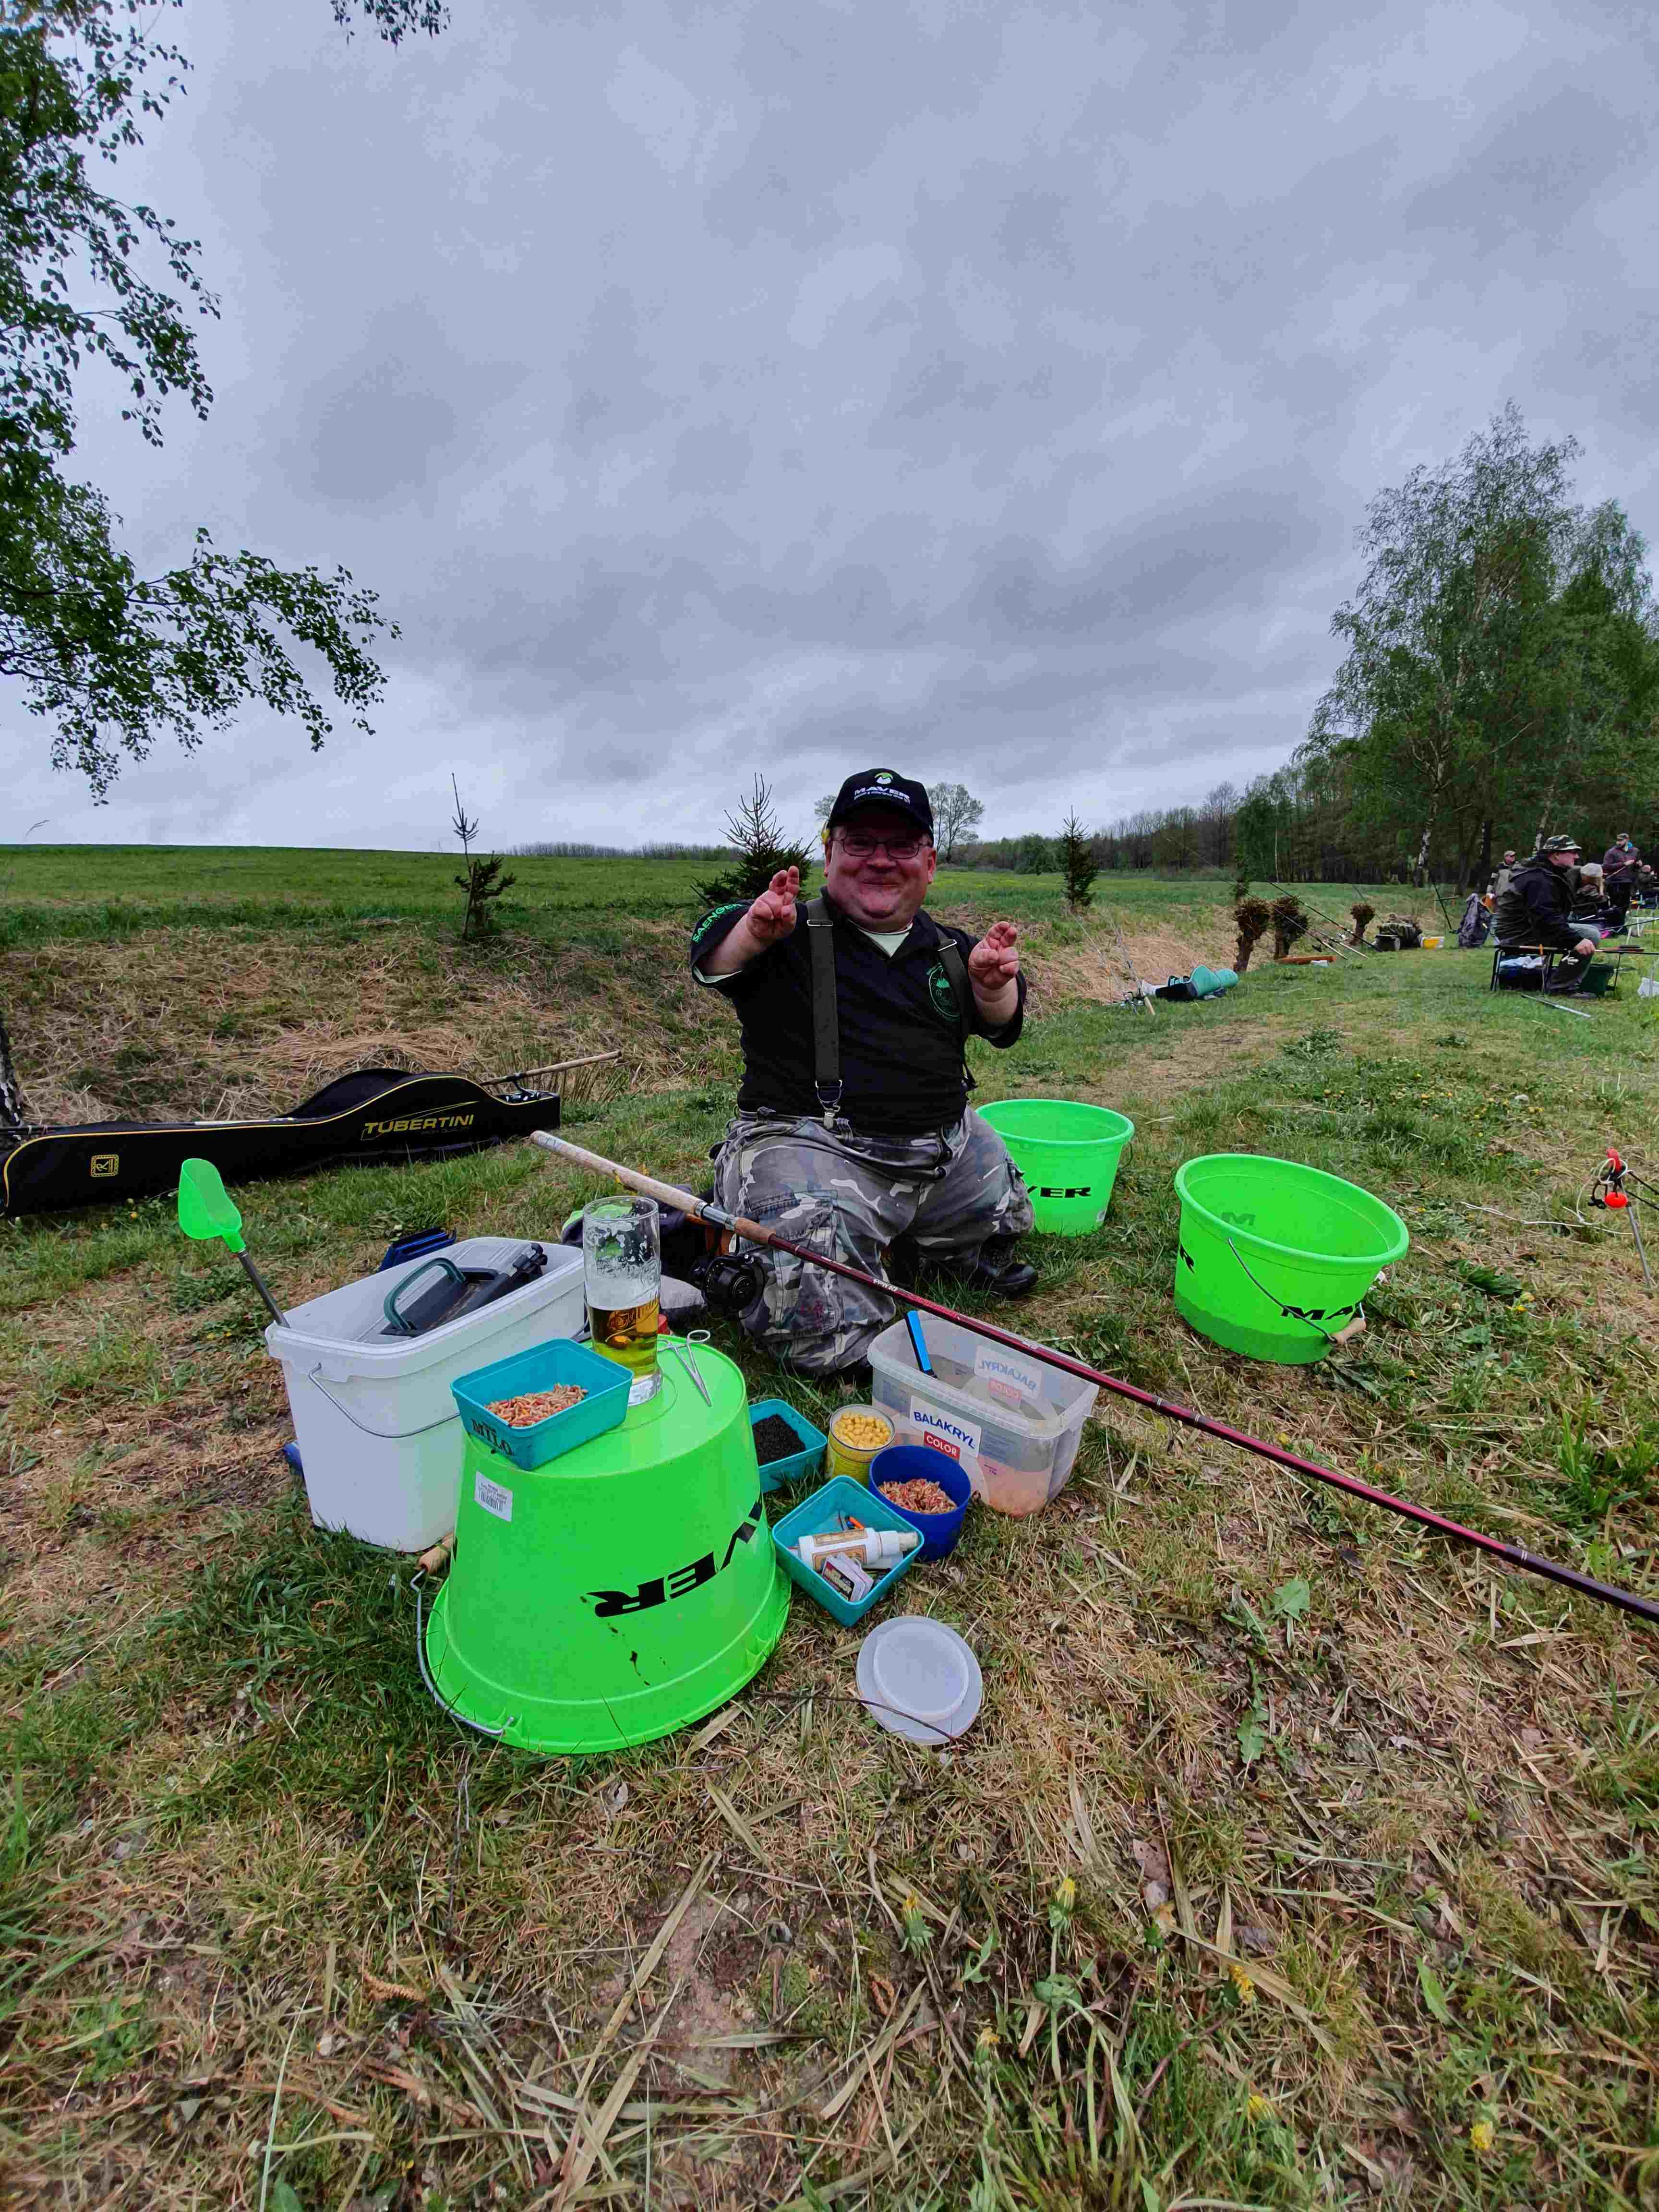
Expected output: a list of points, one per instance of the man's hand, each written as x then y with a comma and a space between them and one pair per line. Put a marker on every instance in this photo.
772, 914
993, 972
770, 917
1584, 947
995, 961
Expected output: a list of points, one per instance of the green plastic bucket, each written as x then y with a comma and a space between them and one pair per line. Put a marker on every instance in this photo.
1068, 1154
1274, 1257
620, 1591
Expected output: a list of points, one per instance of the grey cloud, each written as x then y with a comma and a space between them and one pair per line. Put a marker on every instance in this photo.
993, 389
1534, 175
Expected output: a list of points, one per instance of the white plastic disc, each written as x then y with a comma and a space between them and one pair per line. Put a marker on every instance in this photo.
920, 1679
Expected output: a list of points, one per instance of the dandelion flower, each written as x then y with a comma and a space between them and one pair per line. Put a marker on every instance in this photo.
1483, 2135
1257, 2108
1242, 1982
1066, 1895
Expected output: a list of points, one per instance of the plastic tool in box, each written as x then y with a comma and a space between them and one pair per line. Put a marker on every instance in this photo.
458, 1290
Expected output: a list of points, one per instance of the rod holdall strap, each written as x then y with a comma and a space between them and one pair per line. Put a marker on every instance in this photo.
826, 1016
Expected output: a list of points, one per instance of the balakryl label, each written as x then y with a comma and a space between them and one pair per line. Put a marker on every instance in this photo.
1005, 1374
495, 1496
944, 1432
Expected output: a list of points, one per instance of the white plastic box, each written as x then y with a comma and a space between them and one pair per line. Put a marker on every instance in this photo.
379, 1438
1011, 1423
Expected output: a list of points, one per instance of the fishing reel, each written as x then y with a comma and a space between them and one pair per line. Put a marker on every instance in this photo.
728, 1282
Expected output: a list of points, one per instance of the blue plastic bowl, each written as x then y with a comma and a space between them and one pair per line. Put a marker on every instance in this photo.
939, 1532
541, 1368
815, 1516
799, 1467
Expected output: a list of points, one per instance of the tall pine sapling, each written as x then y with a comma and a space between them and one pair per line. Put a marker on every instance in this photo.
482, 880
759, 850
1077, 863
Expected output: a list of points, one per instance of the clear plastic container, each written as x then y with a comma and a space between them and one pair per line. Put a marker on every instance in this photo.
1011, 1423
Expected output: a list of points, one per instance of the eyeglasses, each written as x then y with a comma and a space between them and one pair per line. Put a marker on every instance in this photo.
858, 846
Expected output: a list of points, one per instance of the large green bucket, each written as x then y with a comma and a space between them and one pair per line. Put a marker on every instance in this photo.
1068, 1154
620, 1591
1274, 1258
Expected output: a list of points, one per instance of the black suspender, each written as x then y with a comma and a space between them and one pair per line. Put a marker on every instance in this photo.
826, 1018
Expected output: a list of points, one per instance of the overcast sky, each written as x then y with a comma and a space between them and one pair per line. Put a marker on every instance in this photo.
986, 390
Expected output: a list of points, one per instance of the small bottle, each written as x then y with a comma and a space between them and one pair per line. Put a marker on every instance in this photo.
871, 1548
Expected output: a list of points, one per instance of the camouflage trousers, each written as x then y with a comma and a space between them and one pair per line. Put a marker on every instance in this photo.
848, 1196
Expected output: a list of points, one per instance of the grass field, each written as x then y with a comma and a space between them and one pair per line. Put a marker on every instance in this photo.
1295, 1860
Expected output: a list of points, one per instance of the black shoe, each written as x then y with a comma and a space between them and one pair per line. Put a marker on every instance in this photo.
996, 1273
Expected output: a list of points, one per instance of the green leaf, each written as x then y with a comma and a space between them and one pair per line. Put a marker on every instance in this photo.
1434, 1997
1291, 1599
1252, 1734
283, 2197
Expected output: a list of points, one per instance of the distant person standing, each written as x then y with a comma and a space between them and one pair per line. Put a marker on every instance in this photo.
1620, 864
1500, 882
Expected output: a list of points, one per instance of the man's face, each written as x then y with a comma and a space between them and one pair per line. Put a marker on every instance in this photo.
1509, 860
1568, 860
880, 868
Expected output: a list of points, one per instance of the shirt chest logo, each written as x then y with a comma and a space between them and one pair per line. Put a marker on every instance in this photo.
942, 994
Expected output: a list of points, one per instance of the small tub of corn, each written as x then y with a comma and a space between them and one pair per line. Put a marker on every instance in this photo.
856, 1435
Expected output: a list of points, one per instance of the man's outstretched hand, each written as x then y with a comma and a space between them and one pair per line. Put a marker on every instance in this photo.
772, 914
995, 961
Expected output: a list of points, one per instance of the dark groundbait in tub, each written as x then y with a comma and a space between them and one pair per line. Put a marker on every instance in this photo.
774, 1440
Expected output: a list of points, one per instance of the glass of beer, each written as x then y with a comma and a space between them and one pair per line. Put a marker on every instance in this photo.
621, 1264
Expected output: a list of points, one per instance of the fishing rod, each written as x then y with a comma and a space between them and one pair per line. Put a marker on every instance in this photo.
753, 1232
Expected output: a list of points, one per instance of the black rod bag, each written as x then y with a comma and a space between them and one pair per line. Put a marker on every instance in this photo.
375, 1113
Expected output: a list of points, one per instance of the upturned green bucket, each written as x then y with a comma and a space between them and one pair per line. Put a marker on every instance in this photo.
619, 1592
1068, 1153
1275, 1257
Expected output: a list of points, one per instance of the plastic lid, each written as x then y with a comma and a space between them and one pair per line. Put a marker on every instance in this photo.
919, 1679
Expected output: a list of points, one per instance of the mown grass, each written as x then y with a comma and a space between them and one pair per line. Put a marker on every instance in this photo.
1296, 1860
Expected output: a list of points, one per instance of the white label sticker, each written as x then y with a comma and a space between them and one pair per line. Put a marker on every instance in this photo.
945, 1432
495, 1496
1006, 1376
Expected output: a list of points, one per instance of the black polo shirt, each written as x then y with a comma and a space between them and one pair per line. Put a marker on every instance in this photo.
901, 1066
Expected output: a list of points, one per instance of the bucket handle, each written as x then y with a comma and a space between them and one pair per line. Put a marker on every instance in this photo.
380, 1436
454, 1712
1288, 1313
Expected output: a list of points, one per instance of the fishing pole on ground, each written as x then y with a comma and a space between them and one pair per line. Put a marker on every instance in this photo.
754, 1232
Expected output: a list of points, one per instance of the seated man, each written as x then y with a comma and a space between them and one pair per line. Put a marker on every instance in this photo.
1590, 910
853, 1127
1534, 907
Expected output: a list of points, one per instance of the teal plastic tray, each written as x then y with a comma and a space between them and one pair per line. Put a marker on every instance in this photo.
798, 1467
543, 1367
815, 1516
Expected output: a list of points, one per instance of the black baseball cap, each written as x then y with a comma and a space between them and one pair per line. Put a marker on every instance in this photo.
883, 787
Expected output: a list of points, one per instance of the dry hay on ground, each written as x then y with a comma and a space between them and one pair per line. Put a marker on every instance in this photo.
192, 1024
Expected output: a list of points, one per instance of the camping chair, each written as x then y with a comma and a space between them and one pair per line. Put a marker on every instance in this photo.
1548, 954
